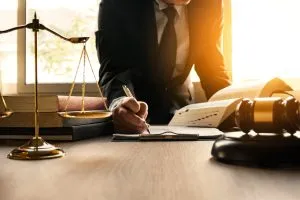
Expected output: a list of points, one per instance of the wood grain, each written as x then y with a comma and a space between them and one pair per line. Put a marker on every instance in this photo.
101, 169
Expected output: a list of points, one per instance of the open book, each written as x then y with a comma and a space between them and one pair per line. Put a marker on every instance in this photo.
223, 103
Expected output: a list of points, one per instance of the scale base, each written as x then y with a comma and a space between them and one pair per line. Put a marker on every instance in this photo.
263, 151
36, 149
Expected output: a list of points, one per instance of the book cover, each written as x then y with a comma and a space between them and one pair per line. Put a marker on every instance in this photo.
71, 133
52, 103
46, 120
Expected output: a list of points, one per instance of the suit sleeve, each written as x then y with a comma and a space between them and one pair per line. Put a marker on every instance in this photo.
112, 48
210, 62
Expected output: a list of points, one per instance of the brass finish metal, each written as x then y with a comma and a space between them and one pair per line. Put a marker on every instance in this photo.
36, 149
7, 112
90, 114
36, 100
262, 112
102, 115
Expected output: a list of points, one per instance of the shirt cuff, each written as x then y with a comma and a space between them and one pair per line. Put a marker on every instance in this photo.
116, 102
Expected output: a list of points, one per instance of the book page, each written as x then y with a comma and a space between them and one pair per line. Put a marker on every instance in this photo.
276, 85
208, 114
251, 89
286, 94
224, 102
25, 103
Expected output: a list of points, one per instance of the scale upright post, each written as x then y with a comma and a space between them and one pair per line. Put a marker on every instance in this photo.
36, 148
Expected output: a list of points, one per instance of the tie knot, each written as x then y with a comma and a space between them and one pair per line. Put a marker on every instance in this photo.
170, 12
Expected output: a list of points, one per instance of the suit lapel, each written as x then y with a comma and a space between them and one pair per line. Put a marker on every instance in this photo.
149, 33
189, 62
195, 20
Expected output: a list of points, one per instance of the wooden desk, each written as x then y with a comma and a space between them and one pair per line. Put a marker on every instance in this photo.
100, 169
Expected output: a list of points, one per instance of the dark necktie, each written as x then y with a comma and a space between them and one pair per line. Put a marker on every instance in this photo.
168, 46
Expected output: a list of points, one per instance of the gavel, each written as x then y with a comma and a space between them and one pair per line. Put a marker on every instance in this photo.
268, 115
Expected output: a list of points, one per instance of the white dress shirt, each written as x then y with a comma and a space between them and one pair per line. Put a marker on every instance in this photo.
182, 36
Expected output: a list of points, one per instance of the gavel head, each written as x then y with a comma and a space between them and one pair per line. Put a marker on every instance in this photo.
268, 115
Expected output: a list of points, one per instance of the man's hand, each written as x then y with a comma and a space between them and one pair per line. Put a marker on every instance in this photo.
129, 116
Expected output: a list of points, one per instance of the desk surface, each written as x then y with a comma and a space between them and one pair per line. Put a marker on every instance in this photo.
101, 169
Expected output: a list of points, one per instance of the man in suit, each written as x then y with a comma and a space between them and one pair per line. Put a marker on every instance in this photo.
151, 46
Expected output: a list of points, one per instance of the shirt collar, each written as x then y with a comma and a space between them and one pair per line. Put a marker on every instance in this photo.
162, 5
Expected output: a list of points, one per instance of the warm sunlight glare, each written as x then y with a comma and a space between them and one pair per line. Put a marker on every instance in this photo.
265, 39
8, 46
54, 4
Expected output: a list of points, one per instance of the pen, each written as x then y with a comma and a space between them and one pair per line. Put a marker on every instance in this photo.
129, 94
127, 91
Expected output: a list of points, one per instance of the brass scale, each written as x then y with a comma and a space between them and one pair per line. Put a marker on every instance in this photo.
37, 148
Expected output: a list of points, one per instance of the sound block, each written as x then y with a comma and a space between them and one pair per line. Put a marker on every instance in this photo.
257, 149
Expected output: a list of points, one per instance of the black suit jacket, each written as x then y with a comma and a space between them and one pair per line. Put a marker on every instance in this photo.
127, 47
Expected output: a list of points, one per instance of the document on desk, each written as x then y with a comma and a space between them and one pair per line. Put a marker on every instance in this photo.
170, 133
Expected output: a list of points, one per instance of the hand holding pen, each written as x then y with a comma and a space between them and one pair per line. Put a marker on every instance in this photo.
129, 94
129, 115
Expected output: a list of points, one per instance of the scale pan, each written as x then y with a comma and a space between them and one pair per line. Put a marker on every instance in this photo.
90, 114
5, 113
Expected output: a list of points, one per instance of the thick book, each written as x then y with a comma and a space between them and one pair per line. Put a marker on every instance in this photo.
222, 104
52, 103
46, 120
71, 133
49, 106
